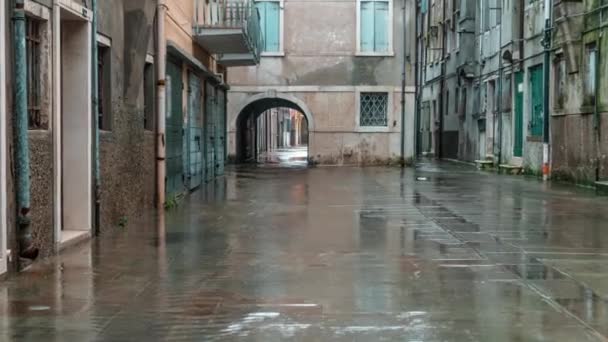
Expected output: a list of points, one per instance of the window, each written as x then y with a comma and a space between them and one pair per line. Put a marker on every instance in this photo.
271, 23
373, 109
37, 120
375, 26
149, 97
590, 79
104, 88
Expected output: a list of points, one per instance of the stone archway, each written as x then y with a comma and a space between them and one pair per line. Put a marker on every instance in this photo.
257, 104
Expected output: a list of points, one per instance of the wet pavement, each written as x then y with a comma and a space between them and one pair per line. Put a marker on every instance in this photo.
285, 157
437, 253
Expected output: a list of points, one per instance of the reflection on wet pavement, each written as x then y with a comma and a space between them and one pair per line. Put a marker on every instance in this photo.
436, 253
285, 157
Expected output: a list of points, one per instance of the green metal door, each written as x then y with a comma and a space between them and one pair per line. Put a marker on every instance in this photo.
174, 130
536, 101
195, 132
210, 132
518, 123
220, 132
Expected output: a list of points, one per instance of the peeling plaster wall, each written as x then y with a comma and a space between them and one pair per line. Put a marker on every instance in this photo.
579, 154
320, 51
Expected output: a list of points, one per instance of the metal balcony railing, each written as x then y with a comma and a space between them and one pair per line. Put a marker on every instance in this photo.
230, 14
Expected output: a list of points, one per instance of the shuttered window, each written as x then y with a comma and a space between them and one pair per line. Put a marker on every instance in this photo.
374, 26
270, 21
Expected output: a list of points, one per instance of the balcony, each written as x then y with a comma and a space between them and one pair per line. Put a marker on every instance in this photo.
230, 29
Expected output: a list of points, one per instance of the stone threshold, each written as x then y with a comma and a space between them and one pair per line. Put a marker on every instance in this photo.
70, 238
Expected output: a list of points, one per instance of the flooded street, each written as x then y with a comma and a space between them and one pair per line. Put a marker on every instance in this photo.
440, 252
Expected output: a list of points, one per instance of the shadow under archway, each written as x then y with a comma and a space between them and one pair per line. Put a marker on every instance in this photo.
261, 126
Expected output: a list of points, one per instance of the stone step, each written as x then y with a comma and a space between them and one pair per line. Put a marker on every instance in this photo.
510, 169
484, 164
602, 187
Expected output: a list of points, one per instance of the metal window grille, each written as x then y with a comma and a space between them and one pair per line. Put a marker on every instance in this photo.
36, 119
374, 107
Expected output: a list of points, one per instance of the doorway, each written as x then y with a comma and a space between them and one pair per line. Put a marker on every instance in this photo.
75, 127
277, 136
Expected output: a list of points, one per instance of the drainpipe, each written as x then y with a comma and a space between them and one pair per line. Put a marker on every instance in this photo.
442, 109
95, 110
22, 155
416, 85
596, 111
547, 68
161, 58
500, 88
405, 32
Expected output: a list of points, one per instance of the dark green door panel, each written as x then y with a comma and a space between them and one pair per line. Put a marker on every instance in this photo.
220, 142
195, 132
536, 101
210, 132
518, 122
174, 130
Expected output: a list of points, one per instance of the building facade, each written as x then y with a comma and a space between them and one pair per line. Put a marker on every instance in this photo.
482, 85
343, 72
80, 115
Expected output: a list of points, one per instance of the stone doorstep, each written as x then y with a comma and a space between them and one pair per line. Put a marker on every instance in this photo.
484, 164
511, 169
601, 187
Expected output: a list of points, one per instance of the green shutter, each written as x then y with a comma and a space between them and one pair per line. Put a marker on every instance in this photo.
367, 26
273, 26
262, 9
381, 28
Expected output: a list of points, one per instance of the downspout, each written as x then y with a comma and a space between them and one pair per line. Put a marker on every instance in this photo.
442, 84
500, 89
161, 58
95, 110
596, 110
27, 250
405, 32
416, 83
547, 69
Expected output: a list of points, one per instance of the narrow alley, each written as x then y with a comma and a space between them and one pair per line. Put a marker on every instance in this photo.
439, 252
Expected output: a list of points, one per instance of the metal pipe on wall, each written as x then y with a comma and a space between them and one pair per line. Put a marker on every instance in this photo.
95, 111
27, 250
546, 105
161, 104
405, 32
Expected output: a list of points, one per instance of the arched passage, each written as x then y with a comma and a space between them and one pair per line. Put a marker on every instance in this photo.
256, 110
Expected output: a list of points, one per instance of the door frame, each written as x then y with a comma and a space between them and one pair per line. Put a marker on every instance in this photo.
3, 148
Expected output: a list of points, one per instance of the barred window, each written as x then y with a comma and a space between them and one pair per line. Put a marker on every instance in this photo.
33, 39
374, 108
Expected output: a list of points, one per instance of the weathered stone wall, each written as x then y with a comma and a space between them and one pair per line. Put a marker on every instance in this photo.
576, 154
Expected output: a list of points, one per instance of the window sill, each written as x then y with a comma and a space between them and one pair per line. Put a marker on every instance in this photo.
373, 129
273, 54
374, 54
